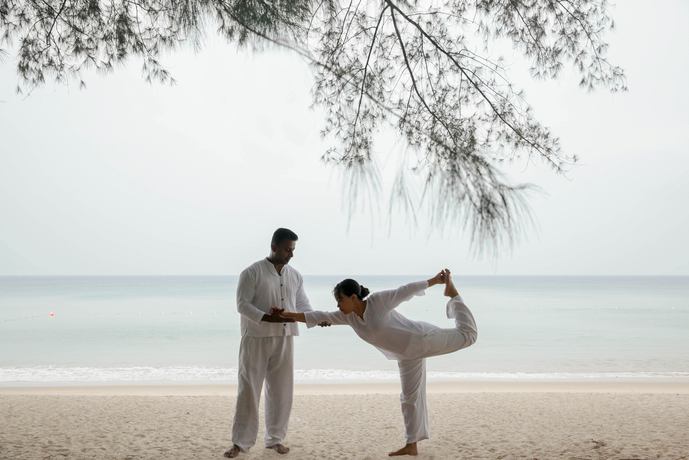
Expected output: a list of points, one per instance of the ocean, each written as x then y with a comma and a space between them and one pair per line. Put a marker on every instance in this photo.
134, 330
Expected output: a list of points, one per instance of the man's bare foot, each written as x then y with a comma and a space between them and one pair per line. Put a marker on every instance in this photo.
279, 448
233, 451
450, 289
409, 449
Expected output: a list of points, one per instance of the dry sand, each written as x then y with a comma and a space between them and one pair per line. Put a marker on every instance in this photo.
469, 420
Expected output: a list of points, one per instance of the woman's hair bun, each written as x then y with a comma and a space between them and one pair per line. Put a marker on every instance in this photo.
350, 287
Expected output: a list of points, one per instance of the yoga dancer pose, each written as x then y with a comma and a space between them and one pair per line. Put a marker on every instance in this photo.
375, 320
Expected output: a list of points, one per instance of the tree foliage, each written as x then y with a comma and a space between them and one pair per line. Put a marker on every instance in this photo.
423, 67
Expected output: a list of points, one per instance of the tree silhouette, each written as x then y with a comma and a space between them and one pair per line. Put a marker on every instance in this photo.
424, 68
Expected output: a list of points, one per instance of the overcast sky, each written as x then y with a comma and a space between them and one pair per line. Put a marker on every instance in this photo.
130, 178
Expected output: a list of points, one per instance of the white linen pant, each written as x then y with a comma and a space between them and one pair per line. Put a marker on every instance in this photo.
413, 371
269, 359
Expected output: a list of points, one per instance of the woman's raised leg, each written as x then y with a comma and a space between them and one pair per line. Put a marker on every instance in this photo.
464, 334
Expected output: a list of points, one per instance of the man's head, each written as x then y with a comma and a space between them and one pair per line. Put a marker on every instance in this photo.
282, 245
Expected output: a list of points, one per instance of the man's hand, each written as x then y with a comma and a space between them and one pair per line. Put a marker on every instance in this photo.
274, 317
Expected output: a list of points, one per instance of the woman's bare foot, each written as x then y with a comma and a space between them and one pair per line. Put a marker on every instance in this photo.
279, 448
450, 289
233, 451
409, 449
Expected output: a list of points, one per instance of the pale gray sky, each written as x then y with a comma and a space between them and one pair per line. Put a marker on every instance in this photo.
130, 178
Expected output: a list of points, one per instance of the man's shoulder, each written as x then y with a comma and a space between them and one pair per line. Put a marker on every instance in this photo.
293, 271
255, 267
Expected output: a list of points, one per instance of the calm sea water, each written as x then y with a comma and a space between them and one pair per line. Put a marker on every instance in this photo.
186, 329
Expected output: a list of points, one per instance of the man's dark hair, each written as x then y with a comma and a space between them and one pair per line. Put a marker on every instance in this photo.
283, 234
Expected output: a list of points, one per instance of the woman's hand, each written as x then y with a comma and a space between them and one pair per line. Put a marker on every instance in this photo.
437, 279
274, 317
291, 316
282, 313
288, 316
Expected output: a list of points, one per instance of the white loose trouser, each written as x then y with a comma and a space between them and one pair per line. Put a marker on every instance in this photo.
413, 371
269, 359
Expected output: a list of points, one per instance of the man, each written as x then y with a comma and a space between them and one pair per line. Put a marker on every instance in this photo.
266, 349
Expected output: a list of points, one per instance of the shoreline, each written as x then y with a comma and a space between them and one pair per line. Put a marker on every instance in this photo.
355, 388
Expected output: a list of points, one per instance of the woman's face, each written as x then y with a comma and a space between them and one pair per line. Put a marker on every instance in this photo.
345, 303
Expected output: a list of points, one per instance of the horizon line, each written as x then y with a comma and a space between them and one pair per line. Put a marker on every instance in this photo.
159, 275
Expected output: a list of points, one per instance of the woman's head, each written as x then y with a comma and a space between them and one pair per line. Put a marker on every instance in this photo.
348, 293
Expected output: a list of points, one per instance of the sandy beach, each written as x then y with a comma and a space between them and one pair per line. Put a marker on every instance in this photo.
468, 420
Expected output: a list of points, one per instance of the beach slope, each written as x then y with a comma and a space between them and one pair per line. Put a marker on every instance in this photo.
194, 422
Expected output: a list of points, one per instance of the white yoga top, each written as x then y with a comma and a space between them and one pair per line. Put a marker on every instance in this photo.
396, 336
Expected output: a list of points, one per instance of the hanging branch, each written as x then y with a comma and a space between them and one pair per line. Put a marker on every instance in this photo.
423, 68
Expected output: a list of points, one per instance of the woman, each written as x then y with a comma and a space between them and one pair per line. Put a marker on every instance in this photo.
374, 319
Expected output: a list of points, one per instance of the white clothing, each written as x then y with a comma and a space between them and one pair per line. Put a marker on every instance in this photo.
413, 399
395, 335
266, 350
413, 371
269, 358
260, 288
409, 342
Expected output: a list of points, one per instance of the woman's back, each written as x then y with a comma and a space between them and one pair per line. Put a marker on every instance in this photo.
395, 335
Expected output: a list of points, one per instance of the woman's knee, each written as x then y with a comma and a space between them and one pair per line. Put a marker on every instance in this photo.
471, 337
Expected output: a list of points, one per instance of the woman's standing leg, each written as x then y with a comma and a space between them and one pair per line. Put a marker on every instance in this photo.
413, 402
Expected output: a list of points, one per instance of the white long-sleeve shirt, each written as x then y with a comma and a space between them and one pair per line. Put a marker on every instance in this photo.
396, 336
259, 289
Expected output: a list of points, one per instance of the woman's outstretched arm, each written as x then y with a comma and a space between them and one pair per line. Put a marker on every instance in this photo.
390, 299
295, 315
316, 317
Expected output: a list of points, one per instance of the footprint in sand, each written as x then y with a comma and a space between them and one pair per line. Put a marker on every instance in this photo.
598, 444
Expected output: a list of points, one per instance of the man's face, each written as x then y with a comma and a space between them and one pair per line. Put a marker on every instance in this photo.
283, 252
